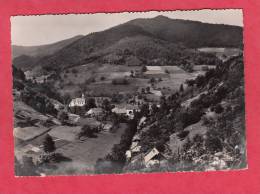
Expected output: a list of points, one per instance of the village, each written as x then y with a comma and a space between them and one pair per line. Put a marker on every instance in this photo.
106, 116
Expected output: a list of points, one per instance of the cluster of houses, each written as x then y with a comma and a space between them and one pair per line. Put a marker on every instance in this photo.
135, 157
127, 109
39, 79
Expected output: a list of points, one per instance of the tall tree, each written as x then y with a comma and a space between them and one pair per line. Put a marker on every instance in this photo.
48, 144
181, 88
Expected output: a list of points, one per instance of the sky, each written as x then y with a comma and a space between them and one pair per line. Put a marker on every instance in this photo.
46, 29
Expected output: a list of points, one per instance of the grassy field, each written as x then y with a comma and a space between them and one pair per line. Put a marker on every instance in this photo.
103, 76
177, 77
170, 83
85, 154
81, 154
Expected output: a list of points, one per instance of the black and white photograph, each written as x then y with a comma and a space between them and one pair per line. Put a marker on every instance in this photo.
130, 92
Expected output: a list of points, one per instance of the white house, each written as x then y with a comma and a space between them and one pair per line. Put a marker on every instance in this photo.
78, 101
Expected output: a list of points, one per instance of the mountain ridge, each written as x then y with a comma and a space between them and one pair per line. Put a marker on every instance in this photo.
42, 50
189, 34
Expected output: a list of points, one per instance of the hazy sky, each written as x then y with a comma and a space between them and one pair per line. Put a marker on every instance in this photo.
44, 29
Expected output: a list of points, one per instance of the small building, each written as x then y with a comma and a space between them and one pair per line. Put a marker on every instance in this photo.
107, 127
73, 117
80, 102
94, 112
154, 152
127, 110
155, 72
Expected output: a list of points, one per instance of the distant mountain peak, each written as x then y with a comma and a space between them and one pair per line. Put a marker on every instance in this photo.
161, 17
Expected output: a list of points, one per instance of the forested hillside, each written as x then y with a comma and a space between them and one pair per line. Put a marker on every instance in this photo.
159, 37
208, 133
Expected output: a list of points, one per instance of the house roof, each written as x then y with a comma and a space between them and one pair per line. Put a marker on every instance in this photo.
119, 110
77, 101
95, 111
154, 72
151, 154
153, 68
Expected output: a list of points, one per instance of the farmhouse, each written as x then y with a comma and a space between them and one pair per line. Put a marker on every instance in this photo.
78, 101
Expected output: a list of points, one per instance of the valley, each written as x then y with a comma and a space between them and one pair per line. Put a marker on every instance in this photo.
129, 99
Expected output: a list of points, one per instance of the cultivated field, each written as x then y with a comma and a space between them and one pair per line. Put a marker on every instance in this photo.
177, 76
